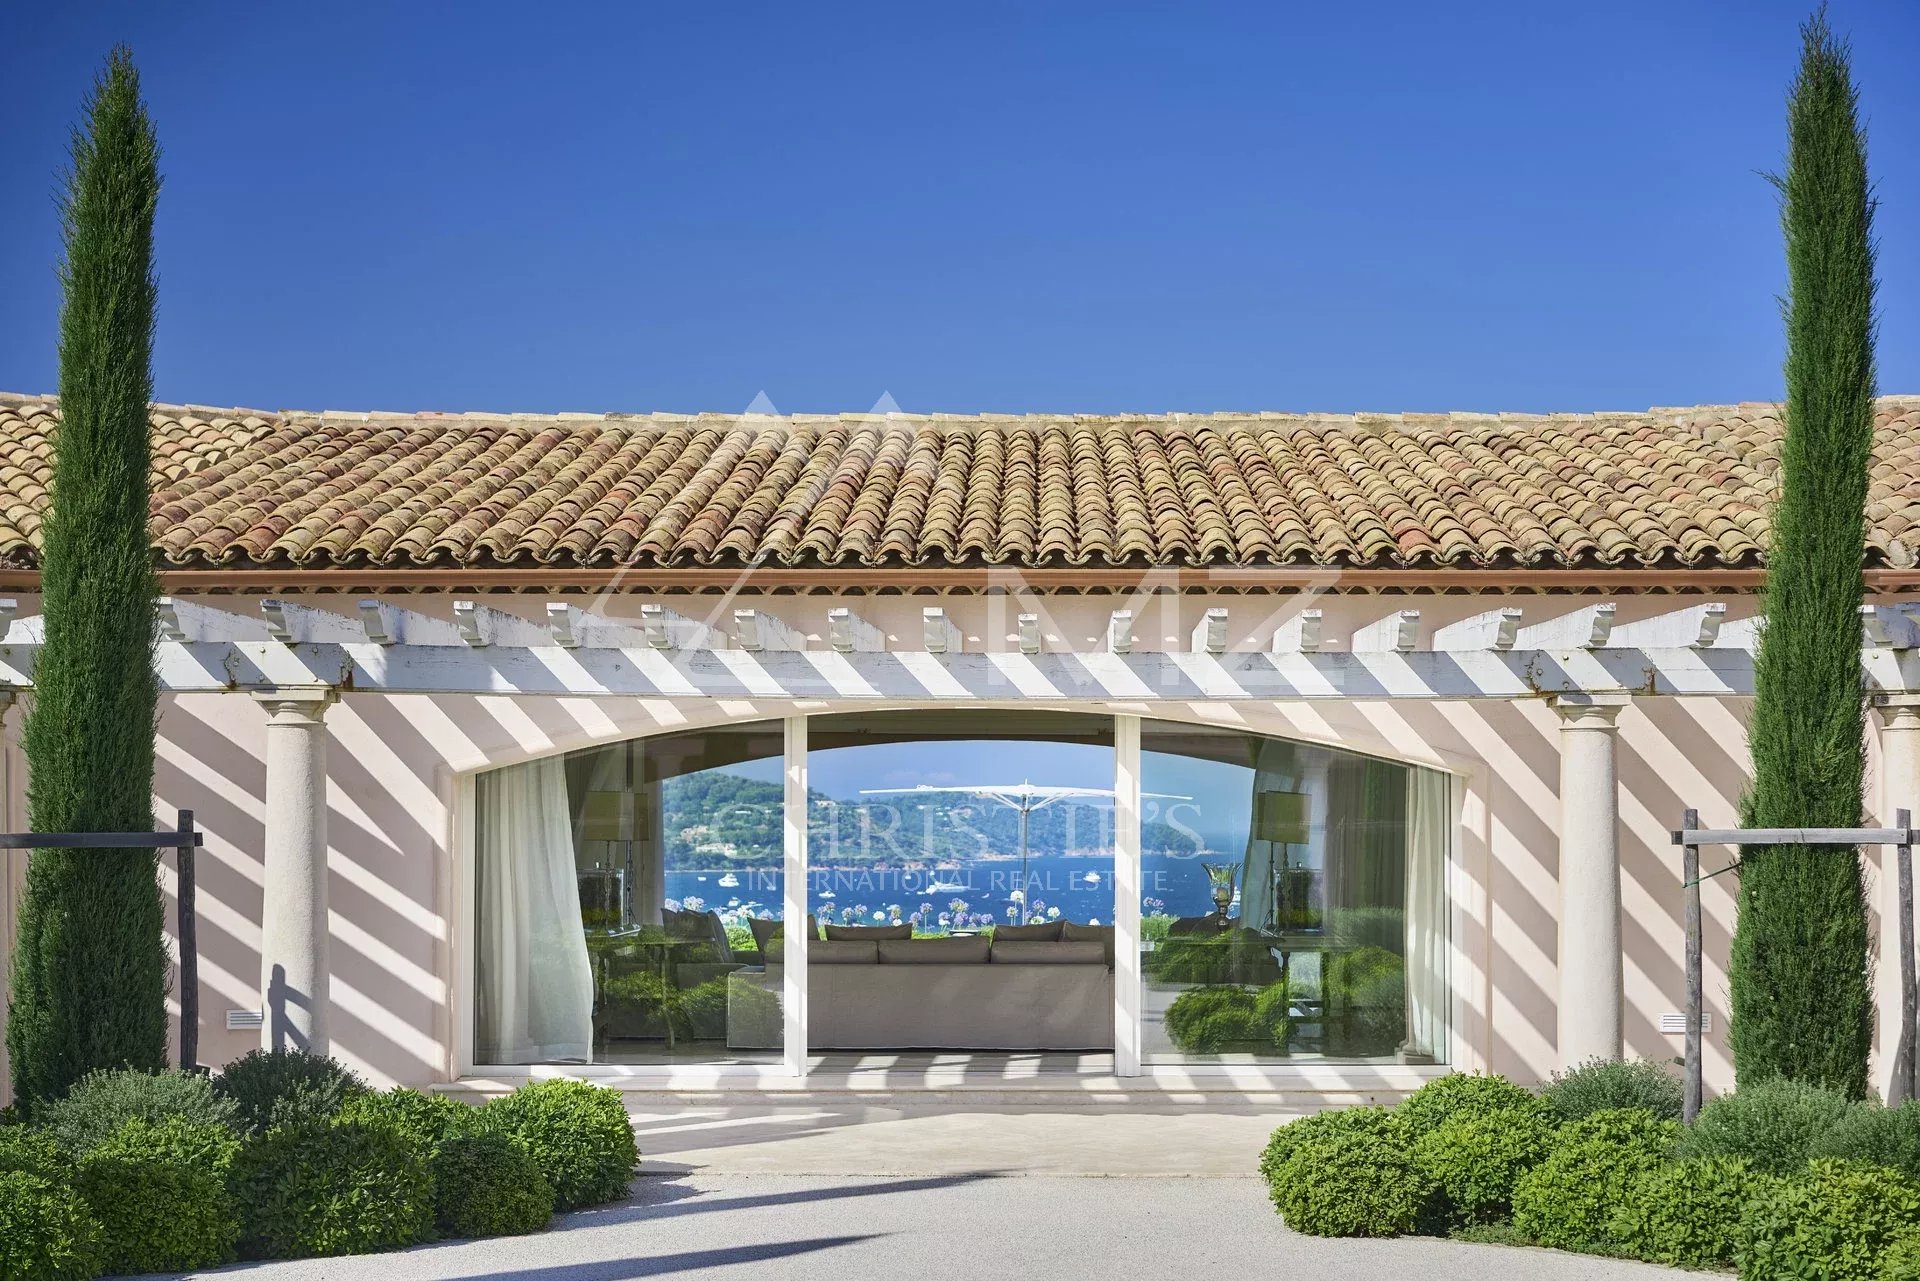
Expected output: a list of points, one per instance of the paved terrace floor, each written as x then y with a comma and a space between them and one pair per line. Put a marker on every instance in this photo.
856, 1190
733, 1227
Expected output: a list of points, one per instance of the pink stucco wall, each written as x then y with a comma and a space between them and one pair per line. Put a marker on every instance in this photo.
394, 761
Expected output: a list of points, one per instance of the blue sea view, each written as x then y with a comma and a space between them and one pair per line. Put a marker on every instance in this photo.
1075, 887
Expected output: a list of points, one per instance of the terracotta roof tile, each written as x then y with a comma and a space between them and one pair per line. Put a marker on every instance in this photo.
1676, 486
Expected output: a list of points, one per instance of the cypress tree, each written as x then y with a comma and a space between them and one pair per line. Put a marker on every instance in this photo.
89, 965
1800, 968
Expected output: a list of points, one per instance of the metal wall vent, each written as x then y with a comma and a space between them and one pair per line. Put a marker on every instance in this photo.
247, 1020
1675, 1024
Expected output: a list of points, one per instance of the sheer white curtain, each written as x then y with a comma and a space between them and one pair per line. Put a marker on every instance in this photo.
1429, 842
535, 981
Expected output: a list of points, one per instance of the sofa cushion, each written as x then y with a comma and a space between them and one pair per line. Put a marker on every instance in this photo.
832, 951
871, 933
828, 952
949, 951
1024, 952
1038, 932
766, 931
1101, 934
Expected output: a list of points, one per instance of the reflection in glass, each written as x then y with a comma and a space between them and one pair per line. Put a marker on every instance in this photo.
624, 894
1295, 907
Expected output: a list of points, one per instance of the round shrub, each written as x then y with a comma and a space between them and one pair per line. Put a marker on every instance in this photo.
578, 1135
1324, 1125
1273, 1013
486, 1185
1351, 1185
427, 1119
1207, 1020
46, 1233
210, 1148
1901, 1262
1688, 1214
31, 1150
1474, 1160
1836, 1222
100, 1101
1461, 1094
285, 1087
1600, 1084
155, 1215
1774, 1124
1877, 1136
338, 1188
1567, 1201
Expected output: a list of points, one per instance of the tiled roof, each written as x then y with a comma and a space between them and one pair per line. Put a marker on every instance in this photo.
1669, 487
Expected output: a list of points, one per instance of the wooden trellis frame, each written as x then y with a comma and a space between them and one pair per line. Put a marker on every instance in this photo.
1901, 836
185, 839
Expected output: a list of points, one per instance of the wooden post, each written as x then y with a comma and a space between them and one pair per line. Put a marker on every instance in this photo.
189, 946
1904, 1086
1690, 878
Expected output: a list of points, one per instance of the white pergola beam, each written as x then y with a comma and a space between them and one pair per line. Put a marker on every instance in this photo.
851, 634
1696, 626
939, 632
1299, 634
482, 625
666, 628
1397, 632
298, 623
1210, 633
186, 620
391, 625
1890, 626
1029, 627
1586, 628
758, 631
1495, 629
571, 627
1120, 632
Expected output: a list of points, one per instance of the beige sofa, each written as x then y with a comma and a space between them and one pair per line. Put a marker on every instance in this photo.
944, 993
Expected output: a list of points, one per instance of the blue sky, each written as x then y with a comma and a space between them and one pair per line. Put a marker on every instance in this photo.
1380, 206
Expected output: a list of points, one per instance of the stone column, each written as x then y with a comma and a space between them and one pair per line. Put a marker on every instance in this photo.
1590, 982
293, 917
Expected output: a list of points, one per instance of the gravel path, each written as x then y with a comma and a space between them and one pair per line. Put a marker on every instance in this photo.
777, 1227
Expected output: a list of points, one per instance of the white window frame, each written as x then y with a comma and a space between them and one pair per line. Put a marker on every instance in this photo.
793, 1068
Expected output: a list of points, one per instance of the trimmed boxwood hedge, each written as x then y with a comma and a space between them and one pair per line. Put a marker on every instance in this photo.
427, 1119
285, 1087
1688, 1214
1568, 1200
155, 1214
340, 1187
486, 1185
1462, 1094
1837, 1222
1323, 1125
46, 1233
1475, 1159
1354, 1184
577, 1134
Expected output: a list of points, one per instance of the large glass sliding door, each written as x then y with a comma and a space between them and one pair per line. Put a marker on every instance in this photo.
627, 902
1293, 902
1283, 902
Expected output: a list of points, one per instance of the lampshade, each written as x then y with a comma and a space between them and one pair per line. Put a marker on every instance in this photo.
1280, 817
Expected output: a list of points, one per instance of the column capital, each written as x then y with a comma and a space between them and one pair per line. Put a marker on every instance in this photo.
296, 704
1589, 711
1898, 711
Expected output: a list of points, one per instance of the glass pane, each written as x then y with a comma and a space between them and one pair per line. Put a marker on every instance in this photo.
1292, 901
961, 867
629, 902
